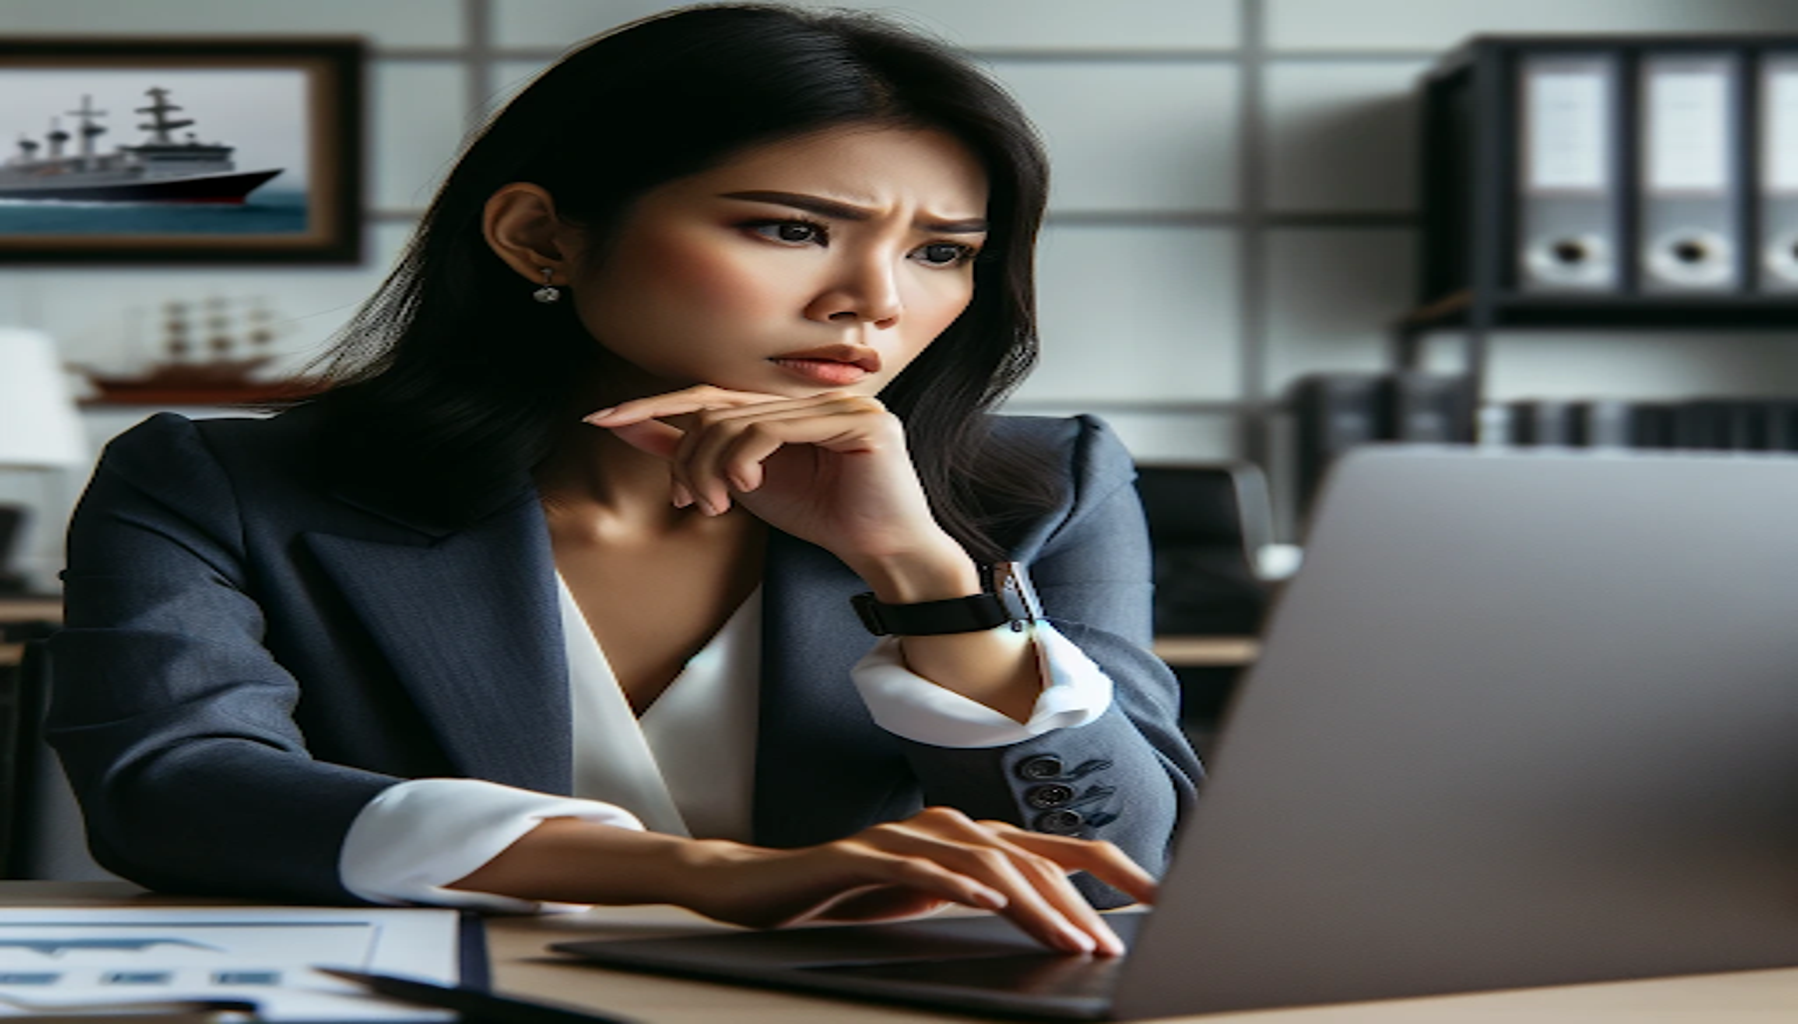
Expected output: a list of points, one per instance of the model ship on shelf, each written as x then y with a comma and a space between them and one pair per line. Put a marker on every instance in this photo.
227, 376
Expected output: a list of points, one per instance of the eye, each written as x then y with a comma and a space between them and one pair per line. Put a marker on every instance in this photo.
791, 232
945, 254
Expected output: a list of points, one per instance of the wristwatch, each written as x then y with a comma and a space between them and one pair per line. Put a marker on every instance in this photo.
1009, 598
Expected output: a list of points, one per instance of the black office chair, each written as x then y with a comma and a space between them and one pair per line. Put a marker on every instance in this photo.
1207, 524
43, 836
12, 526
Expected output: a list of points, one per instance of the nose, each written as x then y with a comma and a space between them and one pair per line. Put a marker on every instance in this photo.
865, 288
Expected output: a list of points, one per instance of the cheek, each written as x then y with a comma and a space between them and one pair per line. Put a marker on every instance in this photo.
697, 279
933, 306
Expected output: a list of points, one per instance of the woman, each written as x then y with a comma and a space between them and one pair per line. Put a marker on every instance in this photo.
569, 548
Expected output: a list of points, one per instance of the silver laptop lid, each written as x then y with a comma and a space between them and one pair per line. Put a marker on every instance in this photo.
1522, 719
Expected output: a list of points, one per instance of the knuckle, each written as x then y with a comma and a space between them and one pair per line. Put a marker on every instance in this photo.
884, 830
989, 858
944, 814
911, 864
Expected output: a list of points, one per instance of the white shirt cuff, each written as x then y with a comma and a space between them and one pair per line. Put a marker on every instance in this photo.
416, 837
1075, 692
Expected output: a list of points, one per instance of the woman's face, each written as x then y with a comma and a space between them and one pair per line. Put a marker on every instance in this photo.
826, 262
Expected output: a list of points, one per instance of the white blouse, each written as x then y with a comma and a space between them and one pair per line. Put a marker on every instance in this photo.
685, 767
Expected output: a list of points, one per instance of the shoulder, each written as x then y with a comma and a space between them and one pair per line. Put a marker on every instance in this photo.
1090, 466
1085, 447
170, 453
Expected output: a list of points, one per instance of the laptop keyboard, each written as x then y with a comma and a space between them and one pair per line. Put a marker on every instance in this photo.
1026, 974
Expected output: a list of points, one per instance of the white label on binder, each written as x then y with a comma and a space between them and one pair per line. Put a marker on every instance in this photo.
1781, 108
1566, 112
1688, 131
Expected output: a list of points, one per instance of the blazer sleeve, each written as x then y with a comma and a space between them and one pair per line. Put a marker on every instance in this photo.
1129, 775
172, 718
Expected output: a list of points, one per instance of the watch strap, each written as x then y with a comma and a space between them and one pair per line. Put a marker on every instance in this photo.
1012, 599
931, 618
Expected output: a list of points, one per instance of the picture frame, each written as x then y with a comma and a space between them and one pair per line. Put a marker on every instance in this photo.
148, 151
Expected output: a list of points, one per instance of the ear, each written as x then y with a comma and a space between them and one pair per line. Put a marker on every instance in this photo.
520, 224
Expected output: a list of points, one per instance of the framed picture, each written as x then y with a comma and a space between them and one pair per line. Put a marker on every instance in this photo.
179, 150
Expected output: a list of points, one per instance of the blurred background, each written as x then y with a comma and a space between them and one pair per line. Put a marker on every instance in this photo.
1235, 203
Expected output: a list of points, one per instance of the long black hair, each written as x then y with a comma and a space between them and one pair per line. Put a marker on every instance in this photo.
450, 383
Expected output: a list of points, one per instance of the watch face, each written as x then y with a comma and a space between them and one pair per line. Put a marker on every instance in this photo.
1011, 582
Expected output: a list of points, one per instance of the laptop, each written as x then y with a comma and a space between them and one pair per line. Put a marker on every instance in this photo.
1523, 718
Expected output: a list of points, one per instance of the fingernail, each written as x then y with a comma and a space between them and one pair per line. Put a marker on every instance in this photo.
737, 481
707, 507
682, 496
600, 415
1111, 944
1079, 940
991, 899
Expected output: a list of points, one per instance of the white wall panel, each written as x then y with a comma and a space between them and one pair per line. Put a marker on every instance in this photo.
1137, 314
1331, 299
418, 114
1438, 24
387, 23
984, 24
1648, 365
1341, 136
1133, 135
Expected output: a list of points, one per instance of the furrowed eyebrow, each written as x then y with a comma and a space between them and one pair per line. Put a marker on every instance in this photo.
843, 211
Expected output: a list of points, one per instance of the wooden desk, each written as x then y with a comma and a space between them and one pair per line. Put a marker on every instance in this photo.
1208, 651
25, 609
1179, 651
522, 965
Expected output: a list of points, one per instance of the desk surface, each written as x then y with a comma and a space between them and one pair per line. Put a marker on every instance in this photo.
521, 965
1180, 651
25, 609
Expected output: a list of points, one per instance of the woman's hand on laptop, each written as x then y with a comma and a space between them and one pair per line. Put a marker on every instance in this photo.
907, 868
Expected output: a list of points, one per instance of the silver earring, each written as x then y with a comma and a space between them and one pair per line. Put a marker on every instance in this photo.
549, 292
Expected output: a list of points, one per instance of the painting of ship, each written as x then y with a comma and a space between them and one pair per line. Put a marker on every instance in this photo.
161, 169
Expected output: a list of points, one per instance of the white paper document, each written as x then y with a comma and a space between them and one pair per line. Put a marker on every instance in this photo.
58, 957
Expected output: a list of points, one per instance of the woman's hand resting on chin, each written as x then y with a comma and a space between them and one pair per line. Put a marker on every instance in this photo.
831, 469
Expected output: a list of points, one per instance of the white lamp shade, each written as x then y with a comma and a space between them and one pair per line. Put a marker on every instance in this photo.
38, 422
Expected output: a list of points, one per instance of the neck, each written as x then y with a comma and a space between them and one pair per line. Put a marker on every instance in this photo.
593, 476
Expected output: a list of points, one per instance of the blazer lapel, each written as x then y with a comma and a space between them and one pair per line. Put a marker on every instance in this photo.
470, 625
823, 769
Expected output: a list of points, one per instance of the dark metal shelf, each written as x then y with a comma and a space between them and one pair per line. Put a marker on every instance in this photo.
1753, 312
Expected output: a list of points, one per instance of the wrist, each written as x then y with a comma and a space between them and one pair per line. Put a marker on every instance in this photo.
567, 860
935, 573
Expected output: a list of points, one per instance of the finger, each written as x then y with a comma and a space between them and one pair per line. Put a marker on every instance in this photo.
923, 874
675, 403
1048, 875
735, 454
1100, 859
1027, 905
724, 441
656, 438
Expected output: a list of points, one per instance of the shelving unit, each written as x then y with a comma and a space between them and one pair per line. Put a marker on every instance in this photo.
1472, 228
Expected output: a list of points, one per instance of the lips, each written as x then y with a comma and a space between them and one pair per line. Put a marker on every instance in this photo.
832, 364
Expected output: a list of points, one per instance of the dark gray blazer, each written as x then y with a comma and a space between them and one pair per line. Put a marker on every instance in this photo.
250, 656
